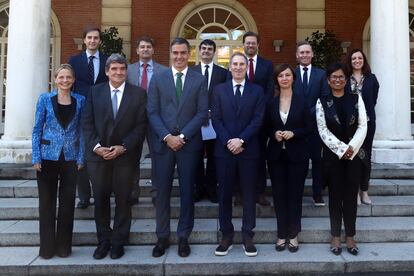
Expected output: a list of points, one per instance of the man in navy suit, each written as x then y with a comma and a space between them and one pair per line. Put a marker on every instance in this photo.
177, 107
259, 71
207, 181
89, 67
311, 82
114, 126
237, 114
140, 74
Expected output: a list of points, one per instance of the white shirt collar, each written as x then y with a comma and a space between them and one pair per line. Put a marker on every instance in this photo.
203, 65
236, 83
175, 71
150, 63
308, 66
254, 59
120, 88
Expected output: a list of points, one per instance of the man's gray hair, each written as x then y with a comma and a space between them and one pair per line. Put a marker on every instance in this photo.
238, 54
115, 58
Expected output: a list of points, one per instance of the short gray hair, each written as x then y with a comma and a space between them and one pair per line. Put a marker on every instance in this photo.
115, 58
238, 54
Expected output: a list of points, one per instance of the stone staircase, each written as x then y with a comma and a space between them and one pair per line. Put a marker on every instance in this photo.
385, 235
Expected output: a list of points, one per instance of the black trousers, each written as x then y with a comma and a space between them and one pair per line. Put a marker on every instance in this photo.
56, 174
344, 177
106, 177
288, 180
207, 180
229, 171
367, 146
83, 184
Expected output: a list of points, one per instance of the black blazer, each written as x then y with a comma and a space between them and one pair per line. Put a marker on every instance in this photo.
299, 122
317, 86
219, 75
369, 94
82, 80
263, 76
128, 128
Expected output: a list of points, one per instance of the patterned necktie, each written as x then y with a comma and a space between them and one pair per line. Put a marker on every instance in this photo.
115, 102
305, 79
91, 69
144, 78
238, 95
206, 73
179, 85
251, 70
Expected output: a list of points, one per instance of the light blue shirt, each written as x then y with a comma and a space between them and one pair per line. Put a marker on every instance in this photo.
95, 64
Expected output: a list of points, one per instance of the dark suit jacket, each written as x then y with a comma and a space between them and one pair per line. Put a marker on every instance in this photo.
128, 128
317, 86
80, 65
369, 94
167, 115
263, 76
299, 122
219, 75
244, 123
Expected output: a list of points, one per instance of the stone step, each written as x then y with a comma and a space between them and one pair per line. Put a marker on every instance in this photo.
316, 259
28, 188
25, 171
314, 230
27, 208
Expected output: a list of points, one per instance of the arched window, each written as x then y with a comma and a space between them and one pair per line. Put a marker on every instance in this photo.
220, 23
54, 55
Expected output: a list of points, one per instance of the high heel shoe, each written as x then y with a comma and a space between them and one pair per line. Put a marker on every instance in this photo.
293, 247
353, 250
336, 250
336, 246
280, 245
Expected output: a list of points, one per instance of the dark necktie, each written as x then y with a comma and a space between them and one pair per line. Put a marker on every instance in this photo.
91, 69
238, 95
305, 79
251, 70
115, 102
206, 74
144, 78
179, 85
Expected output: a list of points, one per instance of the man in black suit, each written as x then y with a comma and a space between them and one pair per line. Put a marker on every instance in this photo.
89, 67
259, 71
177, 107
311, 82
237, 114
114, 125
207, 181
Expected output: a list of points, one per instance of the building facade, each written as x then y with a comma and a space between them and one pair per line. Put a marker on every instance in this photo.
51, 33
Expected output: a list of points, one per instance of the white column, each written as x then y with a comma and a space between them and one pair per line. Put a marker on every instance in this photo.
390, 60
27, 75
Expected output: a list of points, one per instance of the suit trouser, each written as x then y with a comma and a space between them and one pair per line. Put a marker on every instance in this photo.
108, 176
344, 177
207, 179
367, 146
229, 171
163, 173
53, 172
288, 180
83, 184
315, 152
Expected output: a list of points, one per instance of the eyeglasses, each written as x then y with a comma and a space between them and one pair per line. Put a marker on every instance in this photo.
335, 78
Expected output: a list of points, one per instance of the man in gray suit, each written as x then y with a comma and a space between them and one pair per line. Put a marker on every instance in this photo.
140, 74
177, 107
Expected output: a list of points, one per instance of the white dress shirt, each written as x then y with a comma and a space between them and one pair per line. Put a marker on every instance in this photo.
210, 71
241, 87
302, 71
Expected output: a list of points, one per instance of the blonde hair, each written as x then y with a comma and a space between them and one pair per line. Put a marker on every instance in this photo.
64, 66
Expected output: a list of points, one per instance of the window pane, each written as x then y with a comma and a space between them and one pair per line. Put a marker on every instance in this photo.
192, 59
195, 22
221, 15
207, 15
223, 56
214, 33
189, 33
4, 19
233, 22
237, 34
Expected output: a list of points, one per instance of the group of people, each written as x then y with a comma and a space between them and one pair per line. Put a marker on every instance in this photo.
103, 109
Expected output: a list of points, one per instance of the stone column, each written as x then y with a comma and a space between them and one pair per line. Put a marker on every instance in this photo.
390, 60
27, 75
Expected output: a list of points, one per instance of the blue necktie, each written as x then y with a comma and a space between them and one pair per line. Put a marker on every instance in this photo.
305, 79
115, 102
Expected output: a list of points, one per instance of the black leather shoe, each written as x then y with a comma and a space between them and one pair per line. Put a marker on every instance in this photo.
353, 250
183, 248
159, 249
336, 250
83, 204
117, 252
213, 198
280, 245
102, 250
63, 253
